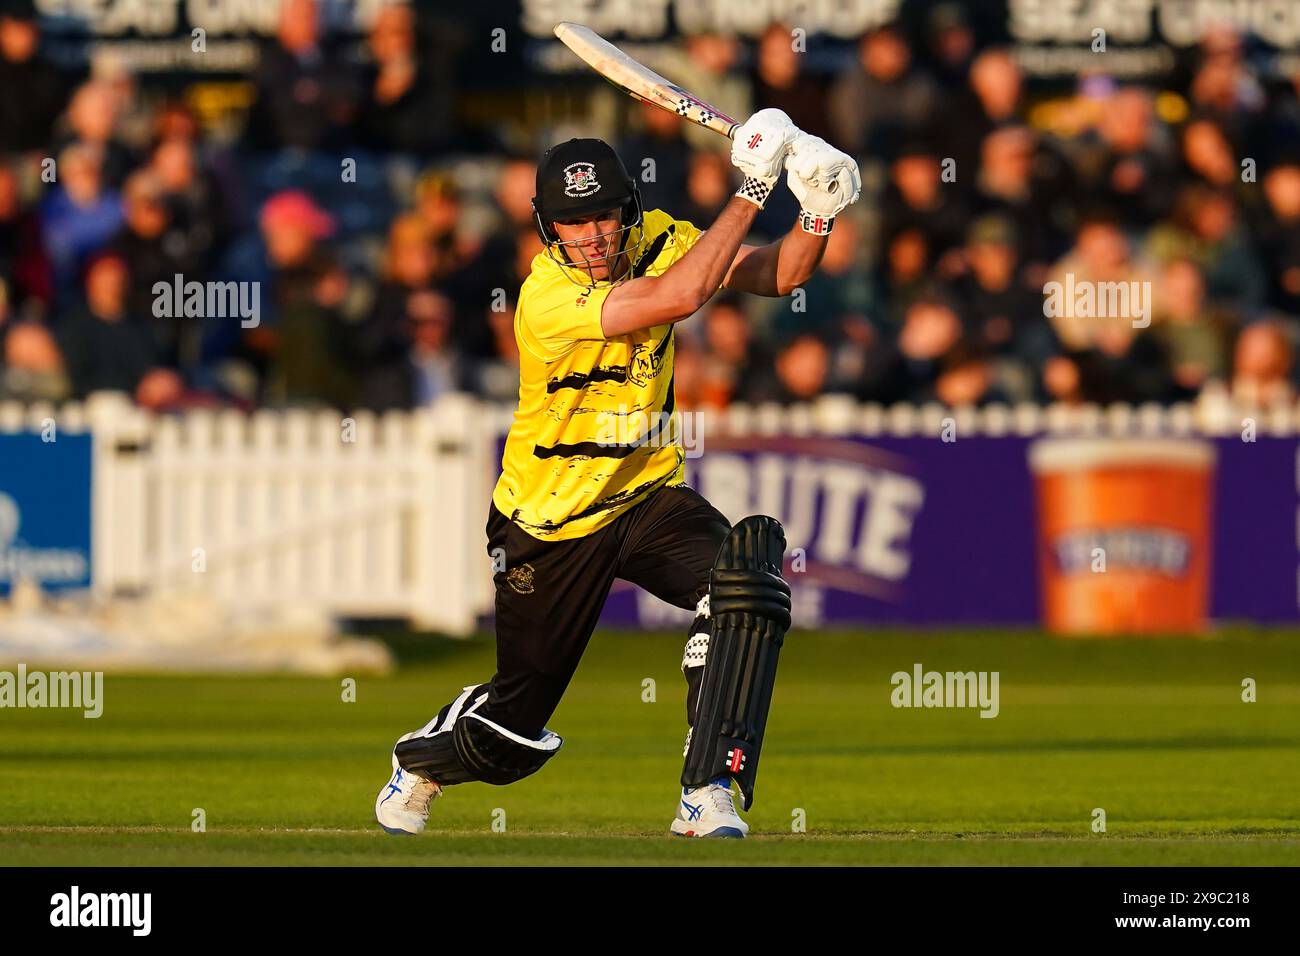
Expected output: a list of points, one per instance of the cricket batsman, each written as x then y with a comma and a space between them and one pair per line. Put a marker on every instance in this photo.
581, 500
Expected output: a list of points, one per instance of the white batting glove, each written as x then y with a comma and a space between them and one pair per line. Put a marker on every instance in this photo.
759, 149
823, 179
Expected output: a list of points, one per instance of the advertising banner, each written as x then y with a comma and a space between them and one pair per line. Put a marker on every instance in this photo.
45, 528
1077, 535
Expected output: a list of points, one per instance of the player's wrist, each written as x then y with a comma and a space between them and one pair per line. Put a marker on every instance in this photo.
816, 223
756, 190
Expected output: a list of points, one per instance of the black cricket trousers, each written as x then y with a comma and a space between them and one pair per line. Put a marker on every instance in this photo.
549, 596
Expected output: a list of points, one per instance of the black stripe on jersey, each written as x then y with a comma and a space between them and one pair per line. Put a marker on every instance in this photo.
583, 449
650, 255
591, 449
662, 347
612, 373
616, 373
613, 501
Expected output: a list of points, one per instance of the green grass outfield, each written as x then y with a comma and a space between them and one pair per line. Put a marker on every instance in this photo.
1152, 731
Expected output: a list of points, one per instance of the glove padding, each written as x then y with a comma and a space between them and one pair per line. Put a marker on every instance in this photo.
759, 149
823, 179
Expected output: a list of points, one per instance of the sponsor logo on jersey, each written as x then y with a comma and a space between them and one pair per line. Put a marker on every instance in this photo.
645, 364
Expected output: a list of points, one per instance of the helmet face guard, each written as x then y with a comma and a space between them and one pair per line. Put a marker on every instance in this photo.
578, 179
573, 262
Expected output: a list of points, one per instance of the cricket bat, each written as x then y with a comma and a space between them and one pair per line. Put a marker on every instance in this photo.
639, 81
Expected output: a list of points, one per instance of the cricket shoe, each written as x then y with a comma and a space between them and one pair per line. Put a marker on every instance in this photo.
709, 812
402, 807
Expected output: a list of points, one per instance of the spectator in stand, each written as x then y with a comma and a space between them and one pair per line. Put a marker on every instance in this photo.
949, 44
918, 199
80, 214
1101, 254
946, 305
931, 330
93, 116
1262, 365
781, 82
1195, 337
690, 376
458, 266
32, 90
905, 276
300, 352
1123, 364
989, 101
1000, 312
1223, 86
307, 95
528, 245
496, 264
497, 378
735, 367
1205, 228
881, 99
154, 253
802, 368
133, 116
1135, 174
25, 272
438, 204
661, 141
403, 104
968, 379
709, 185
31, 366
1278, 232
1208, 154
436, 367
840, 289
199, 219
381, 342
905, 367
1006, 186
106, 347
711, 60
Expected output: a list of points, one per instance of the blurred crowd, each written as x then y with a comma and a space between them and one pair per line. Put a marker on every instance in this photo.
389, 233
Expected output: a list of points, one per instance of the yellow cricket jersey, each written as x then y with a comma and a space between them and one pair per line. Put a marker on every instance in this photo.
594, 432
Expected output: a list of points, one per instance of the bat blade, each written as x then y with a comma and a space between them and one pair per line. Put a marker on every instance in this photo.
639, 81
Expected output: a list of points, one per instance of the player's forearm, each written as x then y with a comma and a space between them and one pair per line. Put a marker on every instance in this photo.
698, 274
798, 255
685, 285
779, 268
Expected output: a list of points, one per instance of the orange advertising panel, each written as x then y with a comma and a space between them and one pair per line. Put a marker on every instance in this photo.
1124, 534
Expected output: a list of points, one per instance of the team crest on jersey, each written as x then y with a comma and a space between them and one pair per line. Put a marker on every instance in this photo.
580, 180
521, 579
645, 364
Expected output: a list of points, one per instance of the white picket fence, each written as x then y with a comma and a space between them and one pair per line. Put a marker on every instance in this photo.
384, 515
369, 516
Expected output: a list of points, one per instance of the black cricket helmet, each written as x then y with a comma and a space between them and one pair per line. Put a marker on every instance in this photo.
576, 179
